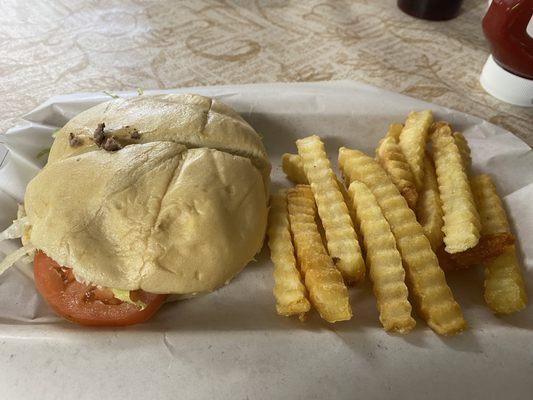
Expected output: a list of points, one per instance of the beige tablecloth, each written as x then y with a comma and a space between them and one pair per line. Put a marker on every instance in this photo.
64, 46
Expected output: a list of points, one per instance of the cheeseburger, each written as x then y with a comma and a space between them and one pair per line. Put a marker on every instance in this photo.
142, 199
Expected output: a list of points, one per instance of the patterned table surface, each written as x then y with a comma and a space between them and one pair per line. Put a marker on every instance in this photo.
65, 46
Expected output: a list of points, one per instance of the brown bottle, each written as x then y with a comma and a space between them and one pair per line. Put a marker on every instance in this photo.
434, 10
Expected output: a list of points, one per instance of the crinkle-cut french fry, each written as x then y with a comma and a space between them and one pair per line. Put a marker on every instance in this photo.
289, 291
426, 279
327, 290
394, 132
490, 207
349, 204
429, 206
390, 156
488, 247
383, 260
340, 232
461, 220
293, 167
505, 291
413, 142
464, 149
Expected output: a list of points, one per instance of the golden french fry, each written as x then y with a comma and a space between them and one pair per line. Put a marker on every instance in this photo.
390, 156
505, 291
289, 291
383, 260
461, 220
488, 247
293, 167
394, 132
491, 211
353, 216
327, 290
413, 142
427, 282
464, 149
340, 233
429, 206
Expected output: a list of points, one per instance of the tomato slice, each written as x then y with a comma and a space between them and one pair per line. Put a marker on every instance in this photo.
88, 304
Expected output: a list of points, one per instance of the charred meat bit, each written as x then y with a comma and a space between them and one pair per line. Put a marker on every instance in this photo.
135, 135
74, 141
99, 134
111, 144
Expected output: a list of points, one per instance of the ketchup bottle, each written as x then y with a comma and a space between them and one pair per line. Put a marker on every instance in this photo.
509, 30
508, 73
435, 10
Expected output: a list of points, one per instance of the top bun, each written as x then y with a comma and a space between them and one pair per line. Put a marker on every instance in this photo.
188, 119
180, 208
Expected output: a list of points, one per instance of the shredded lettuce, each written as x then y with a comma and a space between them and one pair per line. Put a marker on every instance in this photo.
18, 229
21, 211
140, 91
13, 257
124, 295
112, 95
42, 153
15, 230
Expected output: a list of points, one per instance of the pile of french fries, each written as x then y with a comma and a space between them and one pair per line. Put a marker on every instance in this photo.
404, 218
